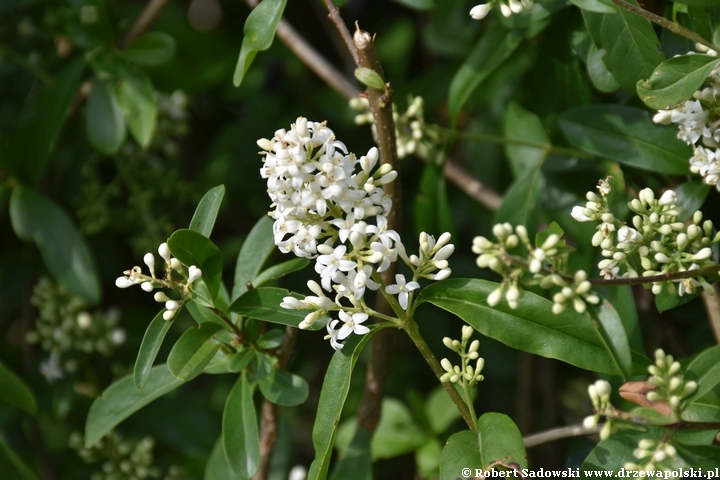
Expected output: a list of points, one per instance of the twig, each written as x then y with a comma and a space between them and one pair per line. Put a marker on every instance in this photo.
712, 307
559, 433
336, 18
698, 272
143, 22
268, 417
676, 28
381, 108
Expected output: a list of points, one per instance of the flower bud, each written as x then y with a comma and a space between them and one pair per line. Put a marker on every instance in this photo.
447, 365
172, 305
194, 273
447, 341
668, 198
590, 422
703, 254
149, 260
175, 264
123, 282
164, 252
168, 315
147, 286
495, 296
160, 297
467, 332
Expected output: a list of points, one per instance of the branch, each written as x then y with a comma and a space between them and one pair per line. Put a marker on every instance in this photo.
268, 417
663, 22
712, 307
698, 272
336, 18
559, 433
381, 108
143, 22
471, 186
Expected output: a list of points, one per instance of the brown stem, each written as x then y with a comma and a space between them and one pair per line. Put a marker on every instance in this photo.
381, 108
143, 22
558, 434
664, 277
336, 18
665, 23
268, 418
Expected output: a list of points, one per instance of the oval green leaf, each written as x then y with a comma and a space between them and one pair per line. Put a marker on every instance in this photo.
272, 339
675, 80
255, 251
151, 49
369, 78
280, 270
193, 351
149, 348
614, 336
15, 392
356, 463
259, 32
65, 254
284, 388
599, 6
691, 196
532, 327
705, 370
192, 248
104, 120
240, 430
240, 360
626, 135
122, 399
217, 467
264, 304
136, 97
203, 219
336, 387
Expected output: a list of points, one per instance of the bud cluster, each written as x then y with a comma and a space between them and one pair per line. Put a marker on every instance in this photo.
698, 121
68, 330
659, 243
600, 397
542, 264
464, 374
176, 276
507, 8
666, 375
654, 455
412, 137
324, 198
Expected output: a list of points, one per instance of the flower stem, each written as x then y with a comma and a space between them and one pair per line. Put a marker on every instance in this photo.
413, 332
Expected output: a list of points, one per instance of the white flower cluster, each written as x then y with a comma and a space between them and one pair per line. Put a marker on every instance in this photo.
659, 243
698, 122
507, 8
412, 137
188, 275
667, 377
465, 374
599, 393
653, 455
323, 198
544, 262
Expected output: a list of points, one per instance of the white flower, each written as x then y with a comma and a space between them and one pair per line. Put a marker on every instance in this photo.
578, 213
352, 324
668, 198
402, 290
628, 235
333, 335
478, 12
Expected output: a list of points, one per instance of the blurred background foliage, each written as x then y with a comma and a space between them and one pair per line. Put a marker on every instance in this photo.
107, 146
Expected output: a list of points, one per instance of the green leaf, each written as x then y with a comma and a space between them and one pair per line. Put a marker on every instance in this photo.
705, 370
532, 327
431, 207
397, 432
336, 387
122, 399
626, 135
704, 409
521, 124
136, 97
702, 3
193, 351
369, 78
598, 6
203, 219
149, 348
690, 196
240, 430
521, 202
192, 248
264, 304
489, 53
675, 80
598, 71
702, 457
217, 467
202, 313
630, 42
104, 120
260, 367
151, 49
259, 32
665, 301
356, 463
33, 141
280, 270
284, 388
440, 410
12, 466
614, 336
255, 251
612, 453
272, 339
419, 5
240, 360
497, 440
65, 254
15, 392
